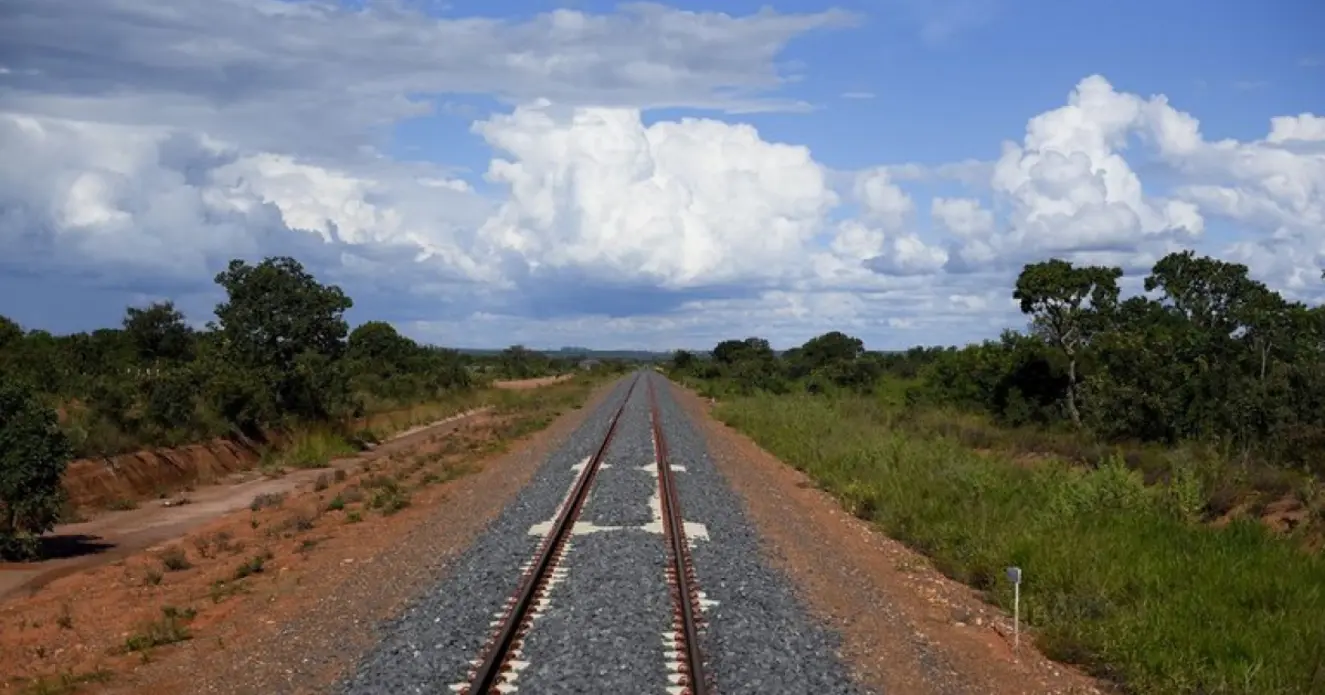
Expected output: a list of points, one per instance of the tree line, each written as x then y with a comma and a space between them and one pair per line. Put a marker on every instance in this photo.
279, 353
1207, 354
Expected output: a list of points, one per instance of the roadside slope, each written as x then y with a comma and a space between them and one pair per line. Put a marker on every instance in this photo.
287, 592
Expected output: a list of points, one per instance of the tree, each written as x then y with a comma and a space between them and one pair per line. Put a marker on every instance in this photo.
1212, 294
158, 332
10, 332
33, 456
277, 311
682, 360
380, 345
518, 362
831, 347
1069, 305
729, 352
279, 320
832, 354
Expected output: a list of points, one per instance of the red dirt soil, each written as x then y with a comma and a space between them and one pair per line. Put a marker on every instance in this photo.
304, 614
113, 535
103, 481
522, 384
216, 476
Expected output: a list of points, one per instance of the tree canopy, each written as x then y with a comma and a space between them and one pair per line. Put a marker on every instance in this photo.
1210, 355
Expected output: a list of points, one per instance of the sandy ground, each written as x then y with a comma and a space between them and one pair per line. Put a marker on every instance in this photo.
906, 628
521, 384
114, 535
108, 536
260, 585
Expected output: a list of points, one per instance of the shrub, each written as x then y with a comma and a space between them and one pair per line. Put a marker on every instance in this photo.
33, 456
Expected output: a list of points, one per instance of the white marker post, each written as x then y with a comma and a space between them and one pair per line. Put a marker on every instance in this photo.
1014, 576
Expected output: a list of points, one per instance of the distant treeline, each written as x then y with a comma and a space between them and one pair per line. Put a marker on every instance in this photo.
1211, 356
278, 353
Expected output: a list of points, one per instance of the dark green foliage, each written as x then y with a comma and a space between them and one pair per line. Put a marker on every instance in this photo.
1068, 306
279, 321
169, 398
277, 311
10, 332
683, 359
280, 353
1215, 357
158, 332
33, 456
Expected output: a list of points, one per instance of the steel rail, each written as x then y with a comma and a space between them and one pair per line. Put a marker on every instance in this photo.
674, 525
490, 672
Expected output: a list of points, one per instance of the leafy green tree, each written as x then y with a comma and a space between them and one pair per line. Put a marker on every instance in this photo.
519, 362
33, 456
730, 352
170, 398
751, 365
10, 332
831, 347
379, 345
1213, 295
1069, 305
682, 360
278, 318
835, 357
158, 332
277, 311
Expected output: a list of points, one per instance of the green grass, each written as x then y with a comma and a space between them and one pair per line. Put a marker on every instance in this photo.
172, 627
313, 447
1116, 576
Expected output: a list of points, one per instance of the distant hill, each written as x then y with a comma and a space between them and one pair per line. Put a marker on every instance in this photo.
641, 355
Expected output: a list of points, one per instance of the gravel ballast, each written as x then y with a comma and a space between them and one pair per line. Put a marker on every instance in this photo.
602, 630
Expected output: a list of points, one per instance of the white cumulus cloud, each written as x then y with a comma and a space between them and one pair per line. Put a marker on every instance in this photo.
676, 203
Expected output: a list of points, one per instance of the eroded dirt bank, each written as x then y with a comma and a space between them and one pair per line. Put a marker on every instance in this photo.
112, 535
102, 482
278, 595
96, 483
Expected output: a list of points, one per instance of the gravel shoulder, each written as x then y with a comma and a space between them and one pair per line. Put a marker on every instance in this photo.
308, 653
604, 626
904, 627
430, 644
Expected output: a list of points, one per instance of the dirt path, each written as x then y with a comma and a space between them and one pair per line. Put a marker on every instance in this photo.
522, 384
114, 535
906, 628
281, 598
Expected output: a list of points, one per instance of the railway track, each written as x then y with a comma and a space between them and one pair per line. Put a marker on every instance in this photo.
501, 660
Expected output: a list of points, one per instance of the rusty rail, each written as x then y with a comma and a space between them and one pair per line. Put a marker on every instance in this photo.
491, 670
685, 594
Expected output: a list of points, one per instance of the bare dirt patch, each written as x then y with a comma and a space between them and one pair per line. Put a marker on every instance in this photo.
102, 482
905, 627
109, 536
281, 595
522, 384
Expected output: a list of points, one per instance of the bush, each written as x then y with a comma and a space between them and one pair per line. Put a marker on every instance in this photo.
33, 456
170, 399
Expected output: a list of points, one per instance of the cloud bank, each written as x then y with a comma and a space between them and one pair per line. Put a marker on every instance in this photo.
147, 144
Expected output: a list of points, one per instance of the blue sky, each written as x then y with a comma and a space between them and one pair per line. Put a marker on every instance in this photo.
650, 175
